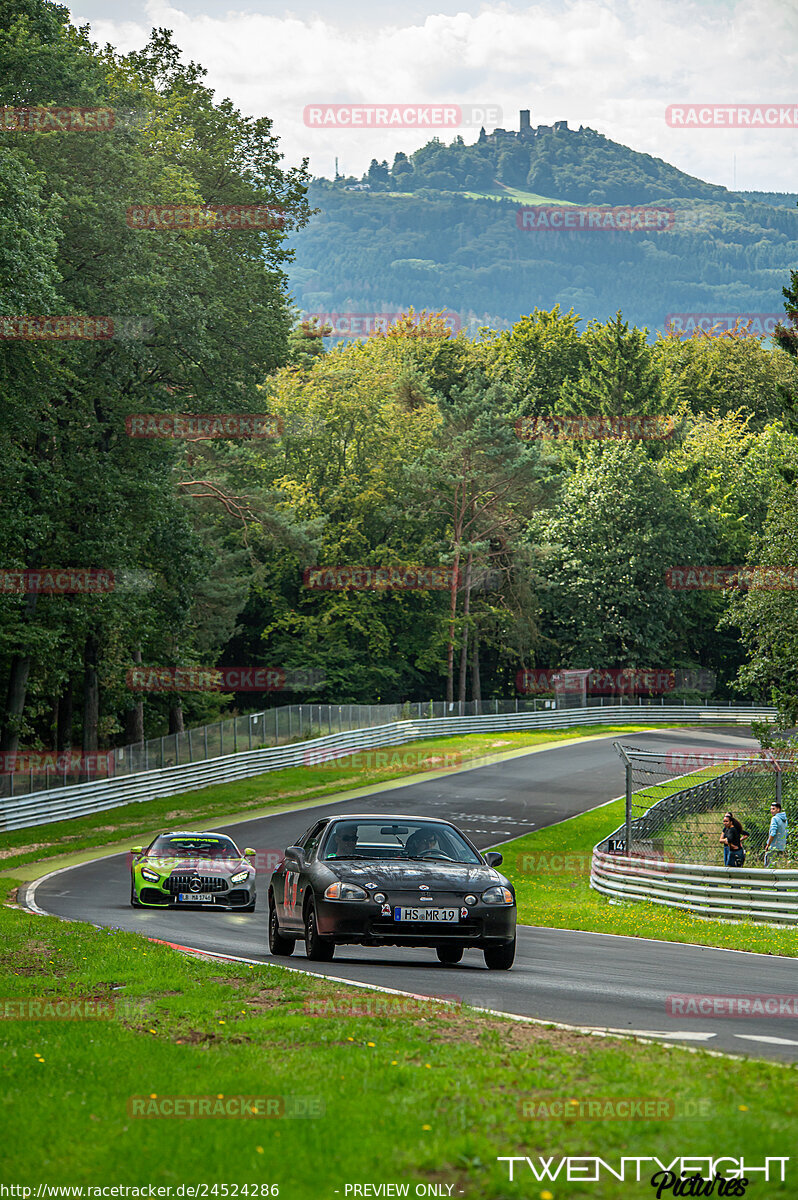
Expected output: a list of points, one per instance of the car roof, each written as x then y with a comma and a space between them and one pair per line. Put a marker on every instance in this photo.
389, 818
194, 834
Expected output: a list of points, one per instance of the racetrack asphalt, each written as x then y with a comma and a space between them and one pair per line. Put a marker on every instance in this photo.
590, 980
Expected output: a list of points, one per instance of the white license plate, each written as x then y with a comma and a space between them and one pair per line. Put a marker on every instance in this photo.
196, 897
447, 916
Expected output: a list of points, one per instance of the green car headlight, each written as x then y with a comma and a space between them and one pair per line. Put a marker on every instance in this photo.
239, 877
150, 875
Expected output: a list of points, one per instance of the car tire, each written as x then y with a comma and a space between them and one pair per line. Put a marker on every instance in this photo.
280, 946
449, 955
317, 948
500, 958
134, 903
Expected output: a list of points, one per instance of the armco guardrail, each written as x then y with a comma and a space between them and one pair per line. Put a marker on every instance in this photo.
735, 893
58, 804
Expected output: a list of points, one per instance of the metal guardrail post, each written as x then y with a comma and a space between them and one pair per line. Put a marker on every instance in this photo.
628, 823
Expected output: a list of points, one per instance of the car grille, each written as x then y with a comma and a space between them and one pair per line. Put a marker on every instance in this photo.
182, 883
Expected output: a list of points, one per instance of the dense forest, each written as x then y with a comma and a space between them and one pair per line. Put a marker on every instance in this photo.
438, 229
400, 454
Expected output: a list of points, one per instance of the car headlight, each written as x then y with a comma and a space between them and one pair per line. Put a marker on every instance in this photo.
470, 898
497, 895
151, 875
239, 877
345, 891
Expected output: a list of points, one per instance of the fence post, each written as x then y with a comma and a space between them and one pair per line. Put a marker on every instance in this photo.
190, 749
161, 750
235, 735
276, 723
778, 783
221, 739
205, 740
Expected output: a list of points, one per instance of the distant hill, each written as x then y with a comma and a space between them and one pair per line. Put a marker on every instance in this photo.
580, 165
438, 230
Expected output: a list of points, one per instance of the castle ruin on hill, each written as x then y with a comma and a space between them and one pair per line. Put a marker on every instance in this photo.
526, 131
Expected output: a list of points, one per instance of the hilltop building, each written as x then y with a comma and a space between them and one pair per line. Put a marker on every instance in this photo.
526, 131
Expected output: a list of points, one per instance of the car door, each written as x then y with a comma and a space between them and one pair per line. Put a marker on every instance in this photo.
296, 879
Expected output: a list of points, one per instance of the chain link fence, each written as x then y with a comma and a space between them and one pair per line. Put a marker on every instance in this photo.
676, 802
278, 726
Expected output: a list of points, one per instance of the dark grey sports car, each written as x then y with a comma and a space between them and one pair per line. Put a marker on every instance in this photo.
391, 881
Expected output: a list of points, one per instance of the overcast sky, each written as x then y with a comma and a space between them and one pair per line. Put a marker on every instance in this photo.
604, 63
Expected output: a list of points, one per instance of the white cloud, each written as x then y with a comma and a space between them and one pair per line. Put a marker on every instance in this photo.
604, 63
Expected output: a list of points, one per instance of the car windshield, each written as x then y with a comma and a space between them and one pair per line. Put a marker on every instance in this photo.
171, 846
396, 840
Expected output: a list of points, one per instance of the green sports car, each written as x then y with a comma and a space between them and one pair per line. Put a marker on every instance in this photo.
192, 870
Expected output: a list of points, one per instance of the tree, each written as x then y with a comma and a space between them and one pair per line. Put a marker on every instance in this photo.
605, 548
766, 614
617, 376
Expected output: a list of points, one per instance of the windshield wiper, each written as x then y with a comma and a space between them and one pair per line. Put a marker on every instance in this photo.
435, 858
333, 857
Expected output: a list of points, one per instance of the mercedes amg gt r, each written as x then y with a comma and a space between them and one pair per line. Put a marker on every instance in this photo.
192, 870
391, 881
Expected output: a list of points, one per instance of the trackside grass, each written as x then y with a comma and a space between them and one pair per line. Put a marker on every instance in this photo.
424, 1095
292, 786
551, 872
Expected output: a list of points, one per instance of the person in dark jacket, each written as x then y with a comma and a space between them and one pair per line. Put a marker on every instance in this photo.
732, 840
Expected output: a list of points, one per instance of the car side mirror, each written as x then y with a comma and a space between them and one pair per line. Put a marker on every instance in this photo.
249, 852
296, 854
493, 858
136, 849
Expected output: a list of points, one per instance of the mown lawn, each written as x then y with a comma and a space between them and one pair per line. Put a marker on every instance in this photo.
418, 1094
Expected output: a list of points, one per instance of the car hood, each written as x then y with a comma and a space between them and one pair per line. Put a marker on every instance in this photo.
468, 876
202, 866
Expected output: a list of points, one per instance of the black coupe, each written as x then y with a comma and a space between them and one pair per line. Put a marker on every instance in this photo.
391, 881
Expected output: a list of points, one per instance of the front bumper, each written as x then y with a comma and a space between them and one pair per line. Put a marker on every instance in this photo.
164, 894
363, 923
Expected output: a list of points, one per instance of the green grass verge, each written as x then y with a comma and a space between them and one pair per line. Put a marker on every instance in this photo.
551, 872
294, 786
428, 1096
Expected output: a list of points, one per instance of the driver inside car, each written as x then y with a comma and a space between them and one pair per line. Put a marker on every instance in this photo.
344, 842
423, 841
